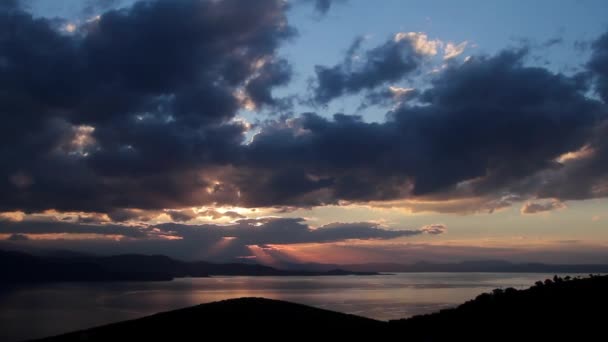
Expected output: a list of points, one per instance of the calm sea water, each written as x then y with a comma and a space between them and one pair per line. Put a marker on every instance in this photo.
50, 309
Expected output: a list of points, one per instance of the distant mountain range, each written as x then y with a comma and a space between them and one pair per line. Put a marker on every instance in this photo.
71, 266
494, 266
67, 266
554, 310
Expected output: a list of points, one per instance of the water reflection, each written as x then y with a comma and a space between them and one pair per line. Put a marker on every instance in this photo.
40, 311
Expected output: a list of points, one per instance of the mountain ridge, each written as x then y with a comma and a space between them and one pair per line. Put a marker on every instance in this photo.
23, 267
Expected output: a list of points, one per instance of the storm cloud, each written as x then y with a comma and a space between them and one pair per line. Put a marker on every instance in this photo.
141, 98
136, 112
482, 128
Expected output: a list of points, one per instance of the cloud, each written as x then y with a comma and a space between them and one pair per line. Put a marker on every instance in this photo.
454, 203
539, 207
269, 76
599, 65
208, 241
484, 129
391, 95
135, 113
322, 6
582, 177
93, 7
214, 214
182, 215
452, 50
263, 231
123, 215
280, 231
189, 214
435, 229
60, 227
15, 216
389, 62
18, 237
420, 42
553, 41
132, 107
9, 4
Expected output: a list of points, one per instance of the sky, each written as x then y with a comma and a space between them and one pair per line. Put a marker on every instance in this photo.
329, 131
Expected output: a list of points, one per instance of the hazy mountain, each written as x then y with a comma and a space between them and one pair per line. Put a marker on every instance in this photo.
23, 267
497, 266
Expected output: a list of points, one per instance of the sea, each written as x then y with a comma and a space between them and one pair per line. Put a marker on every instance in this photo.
36, 311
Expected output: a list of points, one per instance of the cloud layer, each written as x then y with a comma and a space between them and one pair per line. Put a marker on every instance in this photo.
489, 127
141, 98
209, 241
137, 110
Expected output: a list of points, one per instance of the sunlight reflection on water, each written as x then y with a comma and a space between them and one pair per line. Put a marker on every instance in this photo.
49, 309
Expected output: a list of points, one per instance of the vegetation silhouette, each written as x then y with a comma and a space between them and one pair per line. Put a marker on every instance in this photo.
555, 309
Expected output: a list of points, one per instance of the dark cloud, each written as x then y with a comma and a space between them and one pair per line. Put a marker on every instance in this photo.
209, 241
271, 75
598, 65
123, 215
133, 114
322, 6
182, 215
9, 4
539, 207
435, 229
280, 231
265, 231
391, 96
389, 62
188, 215
132, 107
498, 119
216, 215
37, 227
580, 178
490, 122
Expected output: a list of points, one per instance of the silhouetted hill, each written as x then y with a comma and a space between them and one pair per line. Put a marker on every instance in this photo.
22, 267
253, 318
554, 310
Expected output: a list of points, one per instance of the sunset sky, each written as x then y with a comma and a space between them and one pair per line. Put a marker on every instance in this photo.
330, 131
